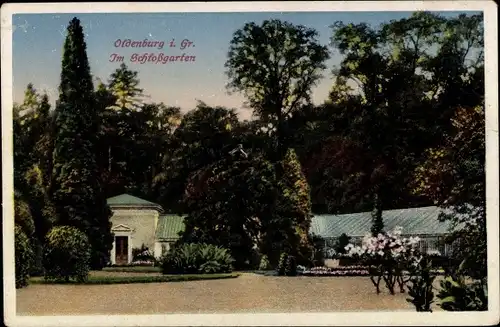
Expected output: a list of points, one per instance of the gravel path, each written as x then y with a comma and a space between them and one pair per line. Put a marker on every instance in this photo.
247, 293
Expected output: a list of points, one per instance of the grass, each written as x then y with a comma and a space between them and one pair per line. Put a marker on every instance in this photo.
107, 280
137, 269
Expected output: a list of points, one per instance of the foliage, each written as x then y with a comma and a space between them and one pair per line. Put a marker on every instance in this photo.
377, 219
66, 254
287, 265
142, 253
457, 294
225, 184
143, 257
225, 205
133, 134
192, 258
459, 159
342, 242
286, 229
469, 241
403, 126
420, 288
453, 176
33, 133
319, 251
282, 264
23, 257
388, 256
203, 137
392, 97
291, 266
77, 192
22, 215
275, 65
124, 89
264, 263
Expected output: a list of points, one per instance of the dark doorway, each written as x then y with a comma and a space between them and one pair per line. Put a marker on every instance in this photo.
121, 246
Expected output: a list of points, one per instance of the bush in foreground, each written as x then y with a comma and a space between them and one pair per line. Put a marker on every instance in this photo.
456, 294
193, 258
24, 258
66, 255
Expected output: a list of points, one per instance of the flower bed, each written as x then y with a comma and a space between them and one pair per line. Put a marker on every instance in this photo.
338, 271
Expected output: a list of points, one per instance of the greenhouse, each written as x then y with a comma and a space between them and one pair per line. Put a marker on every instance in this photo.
422, 222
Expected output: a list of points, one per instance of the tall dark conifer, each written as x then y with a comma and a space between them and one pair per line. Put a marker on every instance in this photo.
77, 191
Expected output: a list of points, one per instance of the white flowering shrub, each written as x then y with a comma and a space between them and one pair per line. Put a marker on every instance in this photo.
388, 257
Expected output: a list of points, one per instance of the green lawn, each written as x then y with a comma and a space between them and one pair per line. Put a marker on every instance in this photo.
102, 280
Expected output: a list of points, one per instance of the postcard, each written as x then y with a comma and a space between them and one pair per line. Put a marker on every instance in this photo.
250, 163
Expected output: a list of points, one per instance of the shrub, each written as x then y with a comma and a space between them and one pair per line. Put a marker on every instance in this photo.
194, 258
387, 257
36, 268
319, 250
291, 266
420, 288
458, 295
264, 263
24, 258
341, 243
282, 264
142, 254
66, 254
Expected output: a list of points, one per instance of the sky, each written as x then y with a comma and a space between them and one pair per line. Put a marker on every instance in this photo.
38, 42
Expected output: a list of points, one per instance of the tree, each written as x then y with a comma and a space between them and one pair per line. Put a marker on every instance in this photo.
26, 133
33, 135
23, 257
393, 104
155, 125
77, 192
119, 102
453, 176
133, 136
275, 65
203, 137
124, 86
23, 217
335, 170
294, 202
220, 194
231, 203
227, 204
